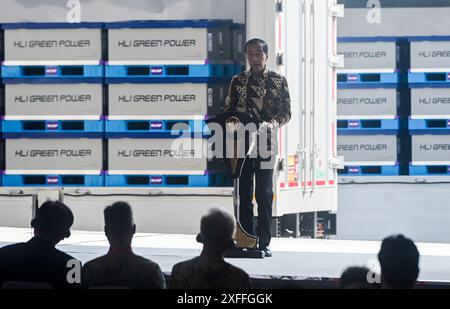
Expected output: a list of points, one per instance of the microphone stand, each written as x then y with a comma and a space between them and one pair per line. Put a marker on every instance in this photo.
251, 249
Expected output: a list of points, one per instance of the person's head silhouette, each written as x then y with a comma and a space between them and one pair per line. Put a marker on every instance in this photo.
354, 277
399, 261
52, 221
119, 225
217, 229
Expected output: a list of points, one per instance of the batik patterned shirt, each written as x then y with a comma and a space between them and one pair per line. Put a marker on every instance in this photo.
264, 96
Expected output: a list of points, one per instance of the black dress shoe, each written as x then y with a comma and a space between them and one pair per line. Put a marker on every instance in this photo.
267, 252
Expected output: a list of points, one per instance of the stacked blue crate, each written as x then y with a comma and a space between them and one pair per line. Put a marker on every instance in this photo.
164, 79
160, 162
238, 39
368, 123
45, 64
430, 63
41, 52
57, 162
429, 120
2, 106
53, 122
162, 108
372, 63
174, 49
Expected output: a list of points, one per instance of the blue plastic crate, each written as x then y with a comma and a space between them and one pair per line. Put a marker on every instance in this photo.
55, 25
368, 39
368, 170
154, 128
167, 180
420, 75
169, 80
52, 70
369, 126
74, 73
429, 126
45, 80
427, 79
170, 71
53, 180
429, 170
367, 80
188, 23
49, 128
171, 41
239, 67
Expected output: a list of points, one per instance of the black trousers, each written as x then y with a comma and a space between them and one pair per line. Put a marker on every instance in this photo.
264, 199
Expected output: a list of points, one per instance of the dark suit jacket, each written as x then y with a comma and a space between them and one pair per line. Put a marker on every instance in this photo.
35, 261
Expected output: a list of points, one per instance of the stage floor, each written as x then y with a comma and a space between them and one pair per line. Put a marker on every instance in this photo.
292, 258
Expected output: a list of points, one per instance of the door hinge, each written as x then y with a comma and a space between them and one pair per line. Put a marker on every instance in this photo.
337, 61
280, 165
337, 163
337, 10
280, 59
279, 6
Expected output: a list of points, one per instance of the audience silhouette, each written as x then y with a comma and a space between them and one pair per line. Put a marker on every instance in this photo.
399, 261
209, 270
120, 267
38, 260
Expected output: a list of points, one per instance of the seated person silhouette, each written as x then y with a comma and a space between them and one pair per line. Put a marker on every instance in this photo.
209, 270
120, 267
355, 278
38, 260
399, 261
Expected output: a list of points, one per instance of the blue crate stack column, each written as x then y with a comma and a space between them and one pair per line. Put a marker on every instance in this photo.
238, 40
2, 105
369, 121
53, 123
164, 79
429, 120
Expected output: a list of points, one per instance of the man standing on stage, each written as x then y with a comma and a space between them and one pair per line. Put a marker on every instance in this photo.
264, 95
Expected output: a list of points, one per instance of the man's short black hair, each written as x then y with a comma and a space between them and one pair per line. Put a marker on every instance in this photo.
263, 44
354, 276
119, 218
53, 219
399, 261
